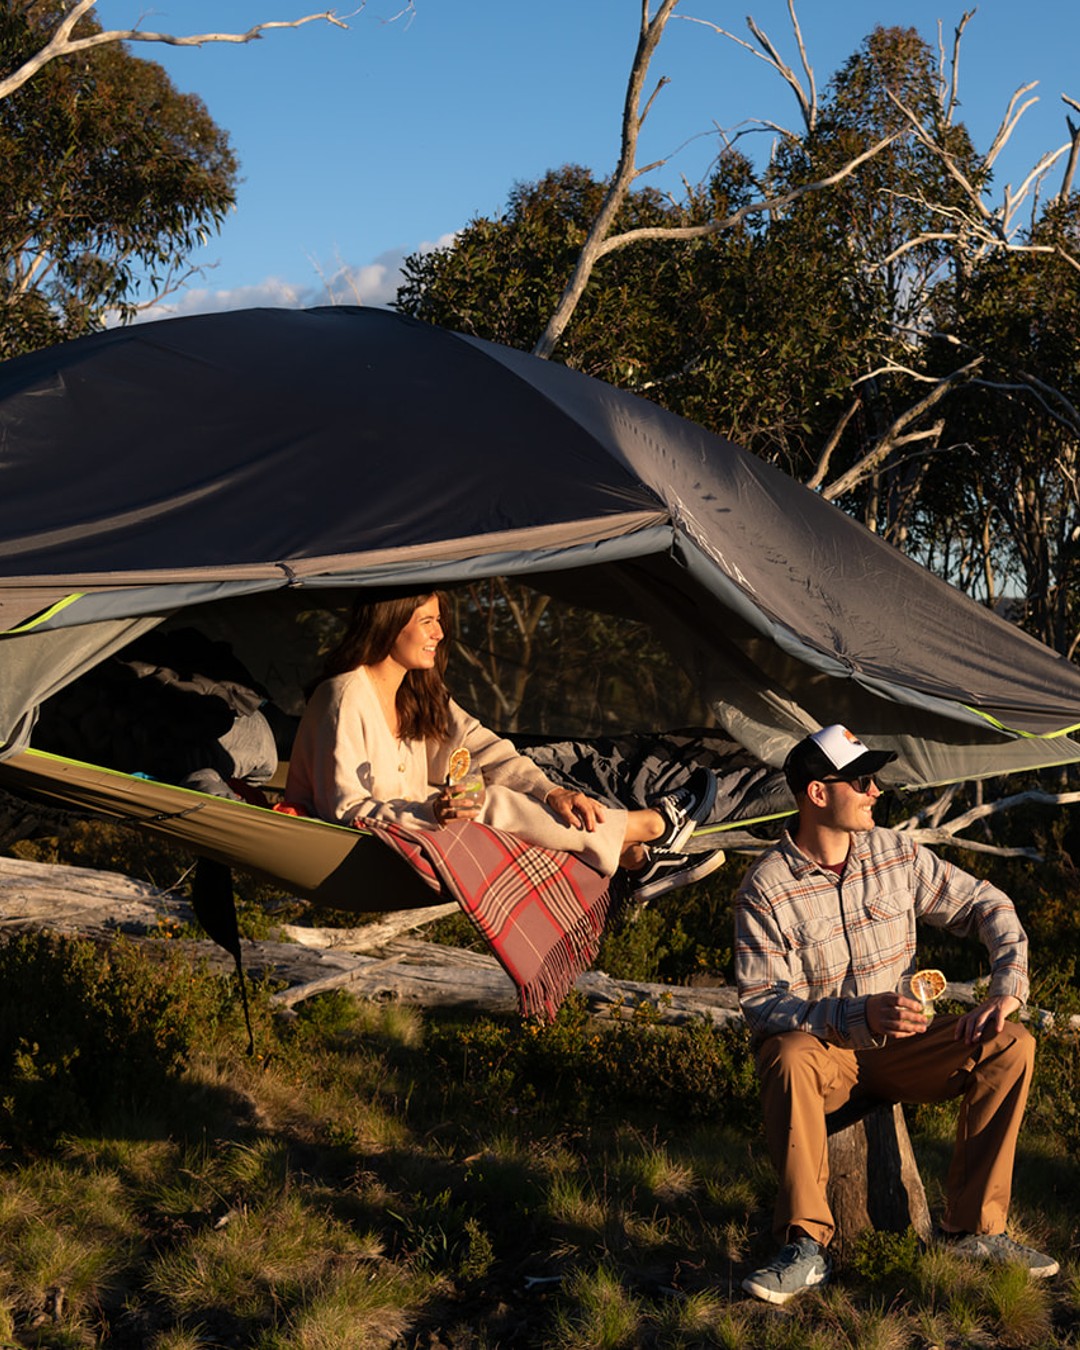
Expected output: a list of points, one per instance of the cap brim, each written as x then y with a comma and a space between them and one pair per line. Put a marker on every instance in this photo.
870, 762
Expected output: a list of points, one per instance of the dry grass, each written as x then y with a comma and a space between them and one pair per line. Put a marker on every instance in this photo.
345, 1191
599, 1313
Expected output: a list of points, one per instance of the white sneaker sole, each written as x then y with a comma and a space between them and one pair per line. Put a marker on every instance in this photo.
775, 1296
987, 1258
685, 876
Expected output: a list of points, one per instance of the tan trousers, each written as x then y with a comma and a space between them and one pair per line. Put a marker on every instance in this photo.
803, 1079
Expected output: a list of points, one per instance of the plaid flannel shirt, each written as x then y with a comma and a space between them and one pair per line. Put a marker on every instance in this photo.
811, 946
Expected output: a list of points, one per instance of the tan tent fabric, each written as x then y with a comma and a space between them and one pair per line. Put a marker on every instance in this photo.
329, 864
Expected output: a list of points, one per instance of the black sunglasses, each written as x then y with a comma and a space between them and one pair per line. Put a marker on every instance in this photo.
861, 784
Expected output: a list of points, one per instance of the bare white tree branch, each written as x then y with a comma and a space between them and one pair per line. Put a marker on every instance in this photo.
807, 97
600, 242
818, 476
948, 832
1053, 401
1037, 174
978, 225
651, 31
598, 246
898, 434
767, 52
950, 103
62, 43
1074, 149
1010, 122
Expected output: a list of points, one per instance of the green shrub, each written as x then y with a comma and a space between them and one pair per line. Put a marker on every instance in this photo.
699, 1070
888, 1259
689, 932
1054, 1104
581, 1067
638, 946
84, 1029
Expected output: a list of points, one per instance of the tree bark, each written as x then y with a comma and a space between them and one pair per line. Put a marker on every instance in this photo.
874, 1181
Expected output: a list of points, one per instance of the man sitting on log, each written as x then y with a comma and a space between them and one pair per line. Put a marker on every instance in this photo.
825, 931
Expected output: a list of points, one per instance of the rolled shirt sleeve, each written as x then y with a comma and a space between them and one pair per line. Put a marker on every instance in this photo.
948, 897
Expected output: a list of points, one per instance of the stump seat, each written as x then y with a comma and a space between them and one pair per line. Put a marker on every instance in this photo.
874, 1181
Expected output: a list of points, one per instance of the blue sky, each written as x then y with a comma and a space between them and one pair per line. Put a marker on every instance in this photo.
360, 146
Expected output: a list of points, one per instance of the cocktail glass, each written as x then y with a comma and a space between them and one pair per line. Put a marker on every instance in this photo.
911, 987
468, 791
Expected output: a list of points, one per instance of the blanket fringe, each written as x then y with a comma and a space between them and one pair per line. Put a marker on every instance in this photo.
447, 860
571, 956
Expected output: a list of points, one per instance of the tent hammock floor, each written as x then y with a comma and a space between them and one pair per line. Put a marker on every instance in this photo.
332, 865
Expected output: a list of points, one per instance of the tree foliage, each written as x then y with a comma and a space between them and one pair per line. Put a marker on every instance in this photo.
109, 176
882, 222
706, 328
885, 340
1016, 504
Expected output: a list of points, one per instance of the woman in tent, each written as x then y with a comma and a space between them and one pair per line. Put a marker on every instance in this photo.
376, 739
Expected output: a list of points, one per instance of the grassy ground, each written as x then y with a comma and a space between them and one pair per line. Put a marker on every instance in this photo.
378, 1178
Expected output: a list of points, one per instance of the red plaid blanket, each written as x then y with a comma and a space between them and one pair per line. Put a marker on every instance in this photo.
542, 911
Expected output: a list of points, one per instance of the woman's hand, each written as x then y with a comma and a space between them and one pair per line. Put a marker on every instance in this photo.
447, 807
574, 808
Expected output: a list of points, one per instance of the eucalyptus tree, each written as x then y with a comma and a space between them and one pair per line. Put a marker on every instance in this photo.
882, 221
109, 177
744, 332
66, 28
1007, 525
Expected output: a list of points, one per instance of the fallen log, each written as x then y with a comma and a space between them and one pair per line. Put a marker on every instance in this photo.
81, 900
372, 961
368, 936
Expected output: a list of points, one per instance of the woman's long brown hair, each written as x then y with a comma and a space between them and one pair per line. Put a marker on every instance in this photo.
423, 700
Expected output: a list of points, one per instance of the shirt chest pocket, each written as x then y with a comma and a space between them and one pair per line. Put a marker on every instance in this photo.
817, 948
889, 925
812, 933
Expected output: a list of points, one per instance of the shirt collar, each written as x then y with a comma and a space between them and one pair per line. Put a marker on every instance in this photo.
800, 863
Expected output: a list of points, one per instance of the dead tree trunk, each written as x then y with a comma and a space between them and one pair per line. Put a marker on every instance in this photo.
874, 1181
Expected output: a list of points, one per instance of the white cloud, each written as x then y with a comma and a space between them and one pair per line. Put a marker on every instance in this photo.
374, 283
272, 292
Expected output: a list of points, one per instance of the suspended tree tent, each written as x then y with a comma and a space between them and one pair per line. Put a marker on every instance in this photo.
243, 463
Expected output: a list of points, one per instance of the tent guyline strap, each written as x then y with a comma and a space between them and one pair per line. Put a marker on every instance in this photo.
214, 904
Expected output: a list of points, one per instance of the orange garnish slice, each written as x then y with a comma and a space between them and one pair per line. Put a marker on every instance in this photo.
928, 985
458, 766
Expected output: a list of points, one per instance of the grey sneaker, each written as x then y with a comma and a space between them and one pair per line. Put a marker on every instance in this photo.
800, 1265
683, 809
1001, 1250
666, 871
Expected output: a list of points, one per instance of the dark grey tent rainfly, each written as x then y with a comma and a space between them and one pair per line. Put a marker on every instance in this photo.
222, 460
